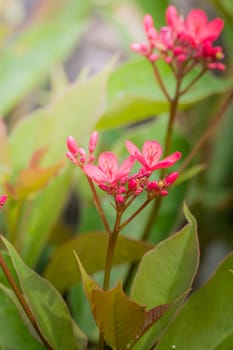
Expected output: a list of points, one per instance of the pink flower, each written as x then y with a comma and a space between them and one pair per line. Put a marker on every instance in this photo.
108, 171
151, 154
183, 40
3, 200
195, 27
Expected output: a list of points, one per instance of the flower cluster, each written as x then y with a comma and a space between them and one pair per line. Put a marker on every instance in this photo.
78, 155
183, 42
116, 180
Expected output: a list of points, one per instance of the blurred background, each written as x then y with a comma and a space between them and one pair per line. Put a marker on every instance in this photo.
47, 44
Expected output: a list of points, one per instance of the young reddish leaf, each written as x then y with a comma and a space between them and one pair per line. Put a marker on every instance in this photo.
34, 179
113, 310
88, 282
154, 315
37, 157
127, 250
119, 318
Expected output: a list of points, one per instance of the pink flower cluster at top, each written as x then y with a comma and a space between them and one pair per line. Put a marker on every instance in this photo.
183, 40
3, 200
116, 180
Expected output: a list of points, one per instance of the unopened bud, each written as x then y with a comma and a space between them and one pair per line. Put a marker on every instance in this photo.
72, 145
170, 179
93, 141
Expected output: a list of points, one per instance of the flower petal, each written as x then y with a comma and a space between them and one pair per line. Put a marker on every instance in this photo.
196, 21
108, 164
95, 173
125, 168
174, 20
151, 151
168, 161
212, 30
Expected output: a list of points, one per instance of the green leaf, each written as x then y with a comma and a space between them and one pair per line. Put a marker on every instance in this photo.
26, 62
134, 94
165, 274
155, 9
206, 320
14, 333
50, 127
190, 173
127, 250
48, 307
119, 318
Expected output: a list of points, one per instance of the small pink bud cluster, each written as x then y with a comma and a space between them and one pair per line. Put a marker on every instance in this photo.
115, 179
183, 43
160, 188
3, 200
78, 155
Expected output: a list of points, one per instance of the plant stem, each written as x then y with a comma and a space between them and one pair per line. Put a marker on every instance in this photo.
160, 82
99, 206
198, 76
157, 203
224, 104
152, 217
110, 251
112, 239
22, 301
127, 221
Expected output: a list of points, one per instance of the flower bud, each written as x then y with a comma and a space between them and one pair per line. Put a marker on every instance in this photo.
72, 145
93, 141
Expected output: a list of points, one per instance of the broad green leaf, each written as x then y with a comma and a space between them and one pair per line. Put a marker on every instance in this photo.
48, 307
127, 250
50, 127
119, 318
14, 333
206, 320
133, 93
26, 61
165, 274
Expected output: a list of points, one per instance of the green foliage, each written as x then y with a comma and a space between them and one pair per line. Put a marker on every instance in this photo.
207, 317
26, 62
15, 334
124, 103
49, 309
133, 97
173, 264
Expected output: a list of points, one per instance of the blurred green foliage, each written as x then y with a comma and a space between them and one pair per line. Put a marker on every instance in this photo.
41, 108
